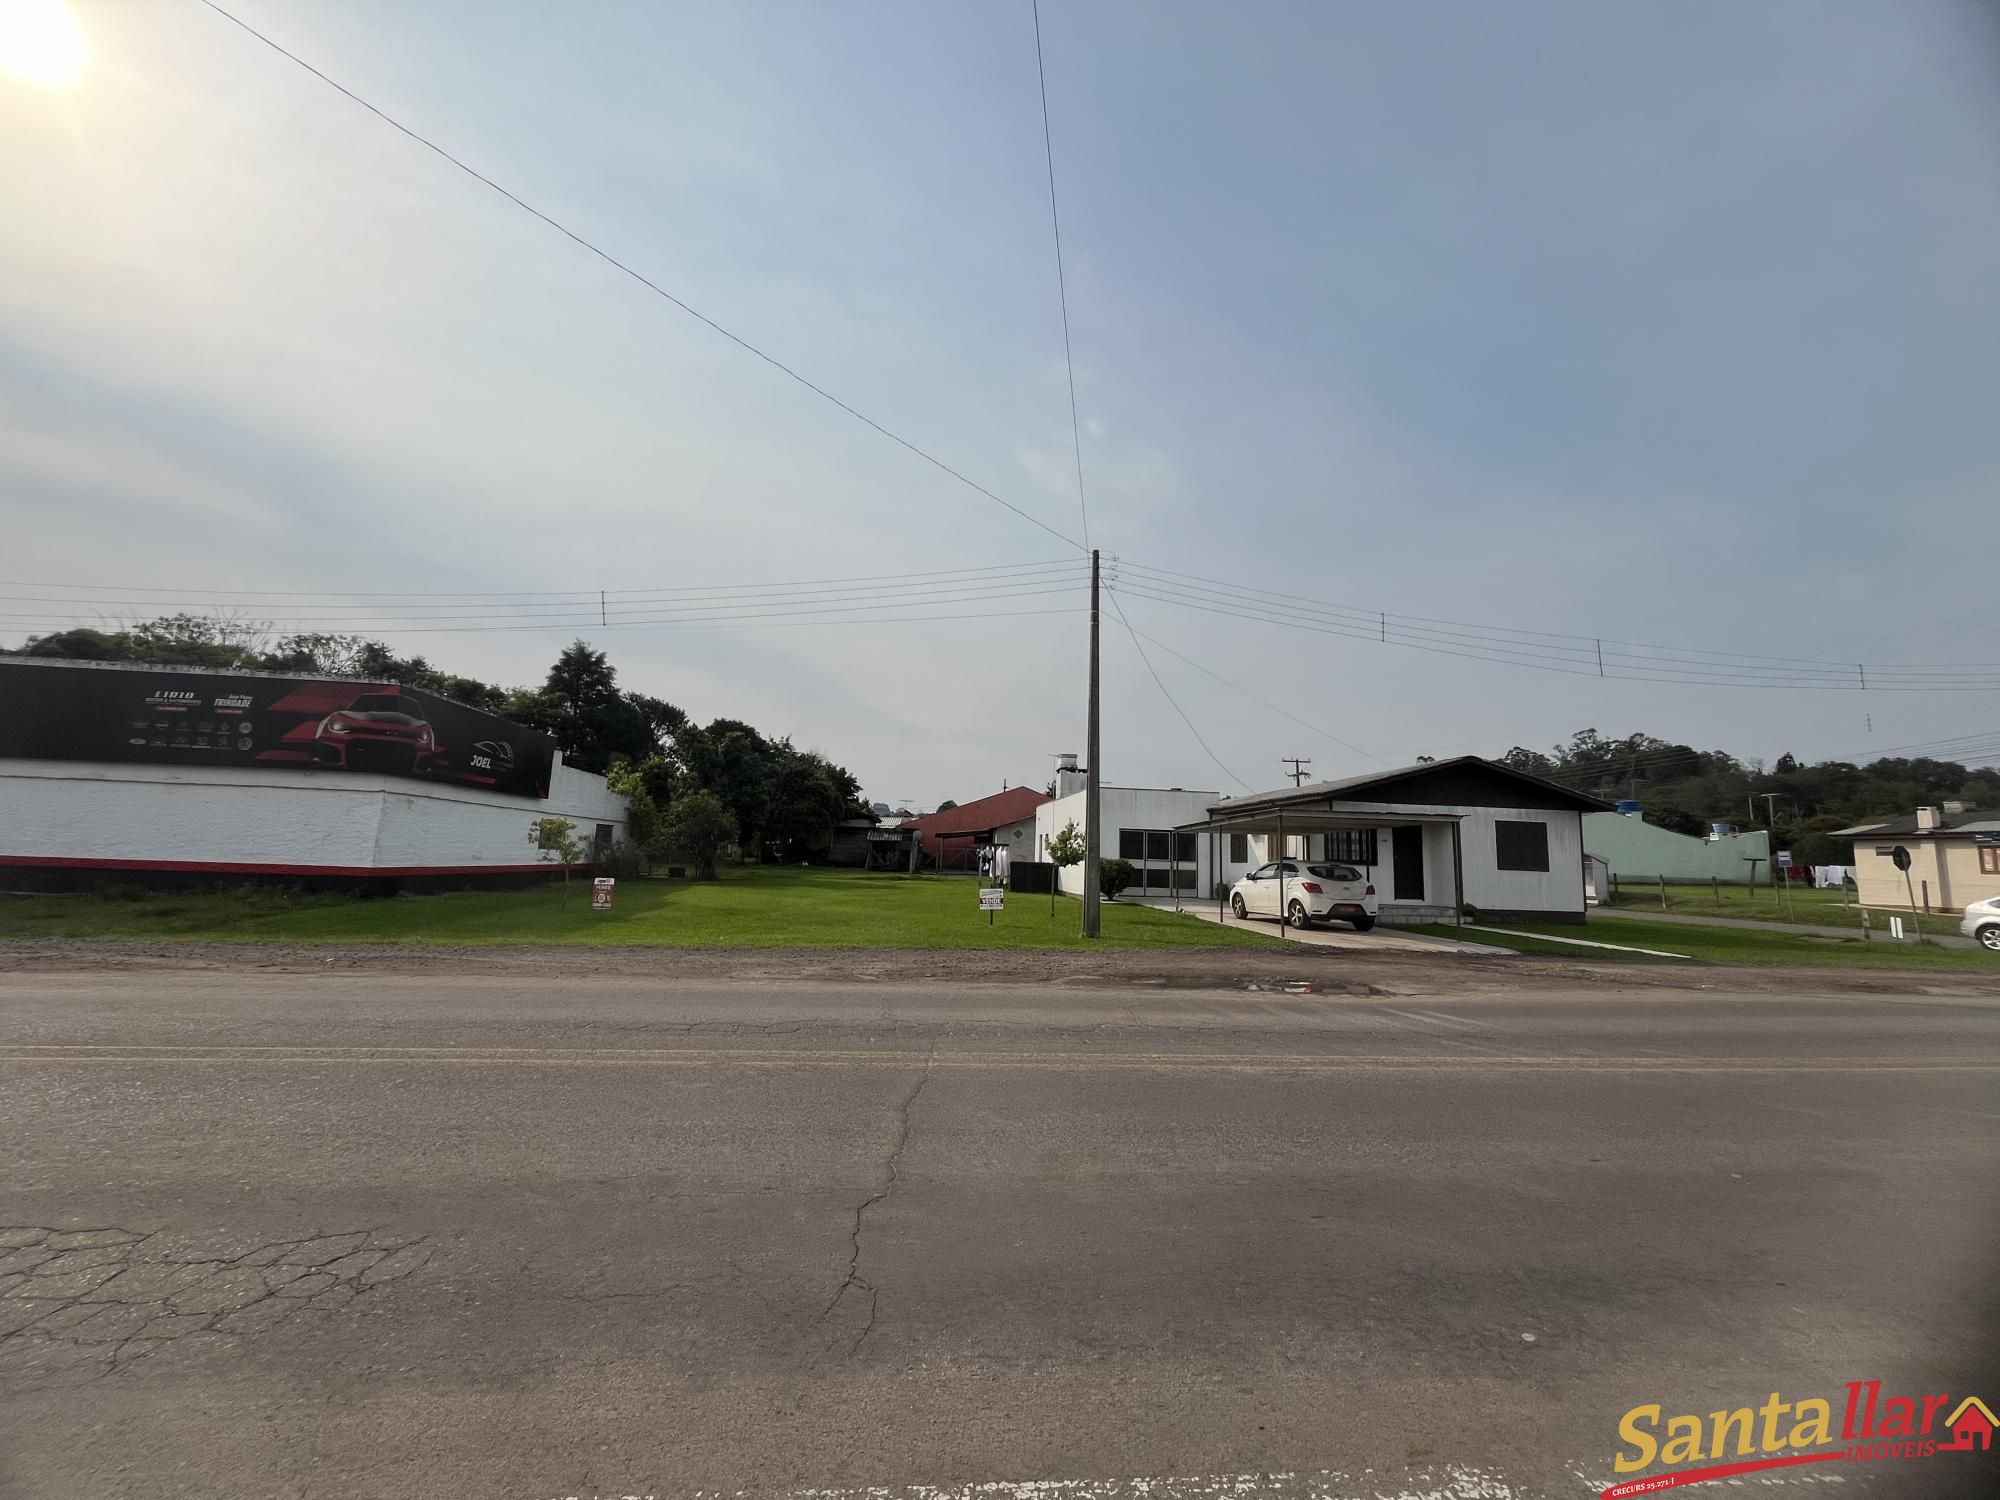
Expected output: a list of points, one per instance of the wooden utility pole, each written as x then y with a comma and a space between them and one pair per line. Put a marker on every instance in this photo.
1298, 764
1092, 916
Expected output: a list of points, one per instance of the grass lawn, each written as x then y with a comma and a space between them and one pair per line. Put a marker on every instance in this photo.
1731, 945
751, 907
1763, 904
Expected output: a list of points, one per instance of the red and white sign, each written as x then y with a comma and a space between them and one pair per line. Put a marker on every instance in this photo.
602, 889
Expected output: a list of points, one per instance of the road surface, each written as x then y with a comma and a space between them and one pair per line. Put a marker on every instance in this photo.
414, 1235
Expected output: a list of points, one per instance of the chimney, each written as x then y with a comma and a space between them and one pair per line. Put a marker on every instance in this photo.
1069, 780
1927, 818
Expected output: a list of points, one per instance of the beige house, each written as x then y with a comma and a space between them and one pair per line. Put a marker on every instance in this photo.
1954, 857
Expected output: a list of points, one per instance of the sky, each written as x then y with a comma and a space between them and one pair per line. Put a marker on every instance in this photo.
1661, 322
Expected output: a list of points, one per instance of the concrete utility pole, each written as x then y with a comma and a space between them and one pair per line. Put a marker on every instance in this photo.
1298, 764
1770, 809
1092, 917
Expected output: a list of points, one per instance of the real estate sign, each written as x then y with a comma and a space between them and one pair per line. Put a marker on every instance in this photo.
156, 715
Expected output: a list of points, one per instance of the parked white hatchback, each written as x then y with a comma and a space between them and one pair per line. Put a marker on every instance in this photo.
1982, 921
1301, 894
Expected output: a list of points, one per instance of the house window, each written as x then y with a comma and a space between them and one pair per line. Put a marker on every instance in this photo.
1187, 848
1351, 846
1239, 848
1989, 860
1132, 844
1521, 846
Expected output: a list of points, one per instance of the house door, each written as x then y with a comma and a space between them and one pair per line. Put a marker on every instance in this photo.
1406, 850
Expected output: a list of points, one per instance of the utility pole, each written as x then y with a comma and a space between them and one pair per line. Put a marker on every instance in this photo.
1298, 766
1770, 810
1092, 917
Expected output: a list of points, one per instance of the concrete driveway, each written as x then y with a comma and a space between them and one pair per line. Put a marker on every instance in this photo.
1340, 935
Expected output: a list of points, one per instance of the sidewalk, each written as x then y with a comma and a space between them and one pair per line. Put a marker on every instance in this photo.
1381, 940
1807, 929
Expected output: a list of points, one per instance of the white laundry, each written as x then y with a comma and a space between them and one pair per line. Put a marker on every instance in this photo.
1830, 877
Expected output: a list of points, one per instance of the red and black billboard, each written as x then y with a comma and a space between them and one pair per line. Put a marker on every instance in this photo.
70, 711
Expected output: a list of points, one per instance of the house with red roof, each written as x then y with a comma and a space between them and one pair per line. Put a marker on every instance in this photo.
1970, 1426
952, 838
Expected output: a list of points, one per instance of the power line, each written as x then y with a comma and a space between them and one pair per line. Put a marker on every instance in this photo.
1681, 671
650, 285
1136, 646
1062, 286
574, 595
1324, 734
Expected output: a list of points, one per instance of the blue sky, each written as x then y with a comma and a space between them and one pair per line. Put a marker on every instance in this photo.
1670, 322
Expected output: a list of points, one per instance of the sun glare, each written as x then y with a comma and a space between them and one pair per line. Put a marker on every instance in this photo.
40, 42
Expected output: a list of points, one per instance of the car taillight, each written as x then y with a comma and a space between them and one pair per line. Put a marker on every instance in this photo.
1308, 886
1369, 891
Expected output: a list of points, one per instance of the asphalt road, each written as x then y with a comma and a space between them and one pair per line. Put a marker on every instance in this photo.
284, 1235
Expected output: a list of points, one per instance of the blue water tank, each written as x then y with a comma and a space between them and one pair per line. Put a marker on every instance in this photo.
1629, 806
1721, 830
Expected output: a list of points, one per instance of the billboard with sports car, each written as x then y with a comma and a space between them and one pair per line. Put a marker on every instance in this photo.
57, 710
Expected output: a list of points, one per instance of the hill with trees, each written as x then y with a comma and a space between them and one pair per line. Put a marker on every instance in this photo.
1686, 789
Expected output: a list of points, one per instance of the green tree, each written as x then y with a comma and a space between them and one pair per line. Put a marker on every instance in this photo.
695, 829
1064, 850
947, 805
588, 716
556, 838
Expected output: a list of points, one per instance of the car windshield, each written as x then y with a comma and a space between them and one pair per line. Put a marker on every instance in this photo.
383, 703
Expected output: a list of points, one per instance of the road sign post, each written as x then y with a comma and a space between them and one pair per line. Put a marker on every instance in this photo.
992, 899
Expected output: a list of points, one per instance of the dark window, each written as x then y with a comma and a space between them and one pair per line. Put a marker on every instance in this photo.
1131, 844
1239, 848
1156, 847
1521, 846
1333, 872
1186, 849
1354, 846
1183, 879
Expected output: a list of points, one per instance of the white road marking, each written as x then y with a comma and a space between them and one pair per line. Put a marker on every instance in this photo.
1456, 1020
1543, 937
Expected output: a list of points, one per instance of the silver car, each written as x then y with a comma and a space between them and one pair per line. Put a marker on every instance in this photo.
1982, 921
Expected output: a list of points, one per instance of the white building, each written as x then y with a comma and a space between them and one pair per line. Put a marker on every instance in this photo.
1434, 837
155, 771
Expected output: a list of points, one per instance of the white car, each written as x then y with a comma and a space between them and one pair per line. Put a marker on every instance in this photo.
1982, 921
1301, 894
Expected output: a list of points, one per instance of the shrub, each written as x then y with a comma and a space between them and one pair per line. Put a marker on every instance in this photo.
1113, 876
623, 861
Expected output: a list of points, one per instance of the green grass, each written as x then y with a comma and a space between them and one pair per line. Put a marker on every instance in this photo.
1802, 904
748, 908
1730, 945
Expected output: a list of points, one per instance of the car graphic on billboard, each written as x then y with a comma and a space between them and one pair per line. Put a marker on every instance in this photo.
376, 732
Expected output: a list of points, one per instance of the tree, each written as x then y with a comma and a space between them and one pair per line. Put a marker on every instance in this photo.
695, 829
947, 805
589, 717
1064, 850
643, 817
556, 838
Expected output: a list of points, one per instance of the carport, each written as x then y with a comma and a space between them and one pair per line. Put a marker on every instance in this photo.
1279, 821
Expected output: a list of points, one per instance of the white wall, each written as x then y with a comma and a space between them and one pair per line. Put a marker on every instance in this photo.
1487, 886
1122, 807
305, 819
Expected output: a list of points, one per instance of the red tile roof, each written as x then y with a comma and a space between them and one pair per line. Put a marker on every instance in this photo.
1001, 808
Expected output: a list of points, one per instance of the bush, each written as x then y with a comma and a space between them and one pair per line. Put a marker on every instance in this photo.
623, 861
696, 829
1113, 876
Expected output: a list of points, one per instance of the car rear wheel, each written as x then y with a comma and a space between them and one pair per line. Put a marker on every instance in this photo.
1236, 902
1298, 915
1364, 924
1990, 936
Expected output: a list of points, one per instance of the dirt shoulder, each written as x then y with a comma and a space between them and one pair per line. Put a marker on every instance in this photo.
1329, 970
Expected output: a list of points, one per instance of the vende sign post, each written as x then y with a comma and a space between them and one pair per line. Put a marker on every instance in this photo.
992, 899
602, 889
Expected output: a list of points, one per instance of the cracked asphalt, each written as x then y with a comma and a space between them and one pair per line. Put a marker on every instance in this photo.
524, 1235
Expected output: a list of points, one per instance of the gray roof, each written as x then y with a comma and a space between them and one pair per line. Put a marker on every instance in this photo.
1353, 788
1972, 820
